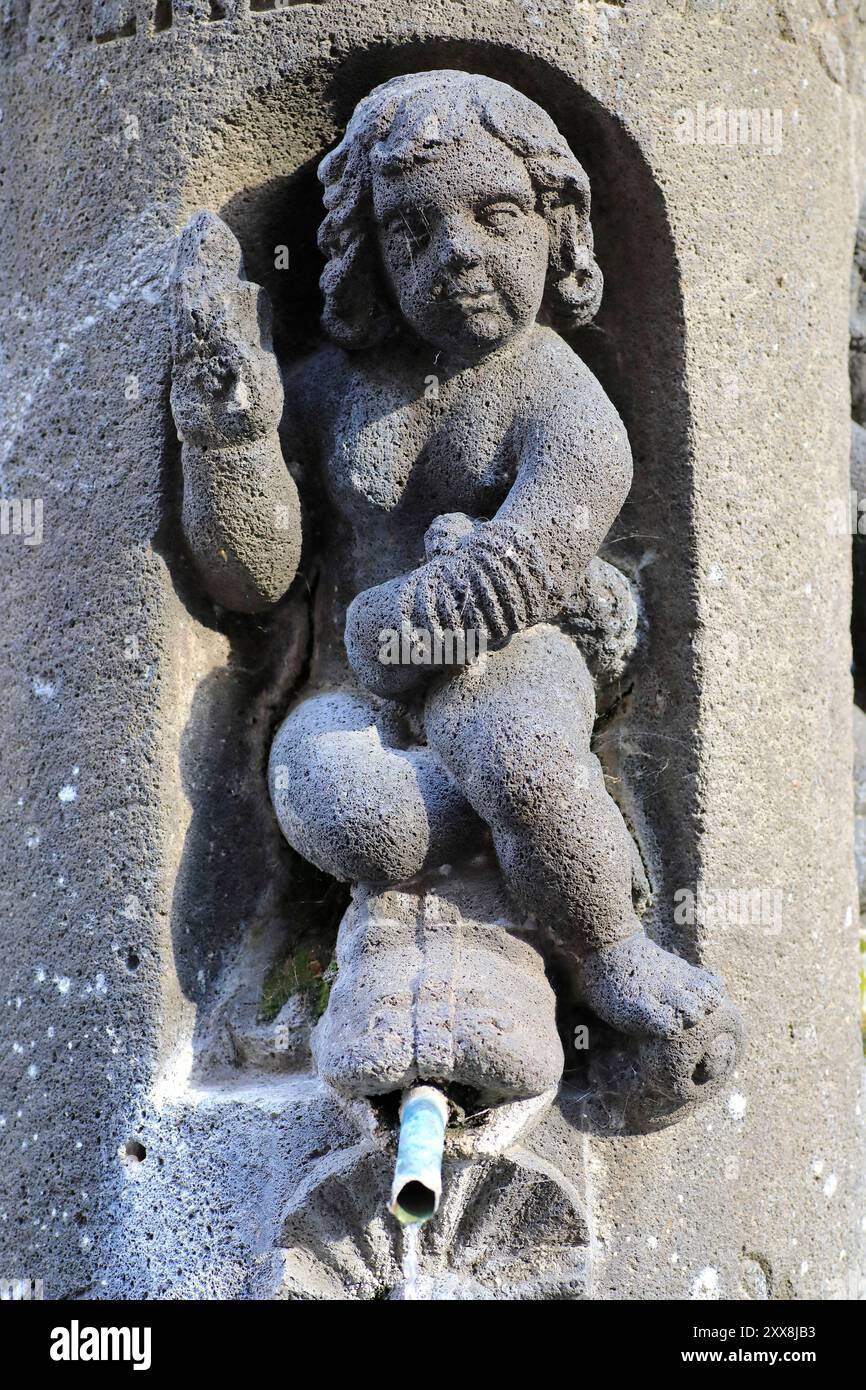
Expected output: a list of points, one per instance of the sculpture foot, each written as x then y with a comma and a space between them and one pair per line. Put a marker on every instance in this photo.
687, 1033
640, 989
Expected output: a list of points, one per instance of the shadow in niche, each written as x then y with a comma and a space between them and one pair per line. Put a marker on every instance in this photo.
635, 347
241, 894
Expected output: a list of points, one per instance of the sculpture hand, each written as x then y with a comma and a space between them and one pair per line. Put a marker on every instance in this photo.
226, 387
488, 577
484, 577
241, 511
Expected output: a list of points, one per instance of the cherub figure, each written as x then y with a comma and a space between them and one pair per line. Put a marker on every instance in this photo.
466, 467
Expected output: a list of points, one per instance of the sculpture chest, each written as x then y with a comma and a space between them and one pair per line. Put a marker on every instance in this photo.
398, 453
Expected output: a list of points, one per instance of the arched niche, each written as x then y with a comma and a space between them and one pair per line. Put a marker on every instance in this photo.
257, 169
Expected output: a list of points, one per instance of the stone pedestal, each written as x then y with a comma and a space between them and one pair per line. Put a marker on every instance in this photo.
158, 1130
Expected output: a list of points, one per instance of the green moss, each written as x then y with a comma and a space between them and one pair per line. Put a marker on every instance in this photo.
300, 972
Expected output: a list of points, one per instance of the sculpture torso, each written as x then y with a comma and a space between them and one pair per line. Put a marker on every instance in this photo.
398, 441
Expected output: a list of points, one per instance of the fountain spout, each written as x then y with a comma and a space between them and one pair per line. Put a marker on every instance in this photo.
417, 1185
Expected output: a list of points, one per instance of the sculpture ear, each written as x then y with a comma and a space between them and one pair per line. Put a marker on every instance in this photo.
574, 279
226, 383
355, 313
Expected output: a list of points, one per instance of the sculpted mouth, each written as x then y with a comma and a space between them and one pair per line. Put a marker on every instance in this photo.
469, 298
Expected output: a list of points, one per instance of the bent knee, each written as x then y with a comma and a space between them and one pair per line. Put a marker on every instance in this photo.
520, 766
535, 689
359, 810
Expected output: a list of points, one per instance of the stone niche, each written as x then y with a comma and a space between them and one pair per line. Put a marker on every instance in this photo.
254, 925
230, 1168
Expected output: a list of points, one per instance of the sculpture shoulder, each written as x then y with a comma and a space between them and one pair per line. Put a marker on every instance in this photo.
322, 385
564, 387
317, 382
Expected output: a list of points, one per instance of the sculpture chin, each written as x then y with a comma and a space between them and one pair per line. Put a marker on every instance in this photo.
464, 327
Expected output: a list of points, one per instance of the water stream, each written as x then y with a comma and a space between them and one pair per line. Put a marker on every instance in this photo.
410, 1262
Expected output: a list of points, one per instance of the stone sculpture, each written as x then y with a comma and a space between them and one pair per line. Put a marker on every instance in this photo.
460, 468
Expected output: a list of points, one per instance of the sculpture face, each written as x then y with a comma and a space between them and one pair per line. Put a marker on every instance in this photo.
463, 247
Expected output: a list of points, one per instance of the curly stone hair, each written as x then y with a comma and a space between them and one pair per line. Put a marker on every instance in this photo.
410, 119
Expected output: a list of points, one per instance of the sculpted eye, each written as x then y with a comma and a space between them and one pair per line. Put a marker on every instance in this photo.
498, 216
412, 226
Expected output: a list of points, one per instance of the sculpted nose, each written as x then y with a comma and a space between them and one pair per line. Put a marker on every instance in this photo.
461, 246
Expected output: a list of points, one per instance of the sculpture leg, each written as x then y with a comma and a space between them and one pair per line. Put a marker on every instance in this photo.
514, 731
353, 802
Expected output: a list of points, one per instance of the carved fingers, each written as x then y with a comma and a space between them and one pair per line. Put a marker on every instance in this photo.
484, 582
494, 582
226, 386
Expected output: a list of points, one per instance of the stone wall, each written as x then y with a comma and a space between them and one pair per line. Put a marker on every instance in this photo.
160, 1136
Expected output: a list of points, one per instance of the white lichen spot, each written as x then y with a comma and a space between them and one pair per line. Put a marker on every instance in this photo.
63, 983
100, 986
737, 1105
43, 690
40, 976
830, 1185
652, 1242
33, 1071
706, 1285
67, 793
818, 1167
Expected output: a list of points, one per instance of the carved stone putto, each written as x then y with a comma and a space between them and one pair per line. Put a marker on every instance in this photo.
416, 681
453, 468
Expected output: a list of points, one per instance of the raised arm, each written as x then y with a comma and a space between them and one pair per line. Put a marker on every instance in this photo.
240, 515
500, 576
